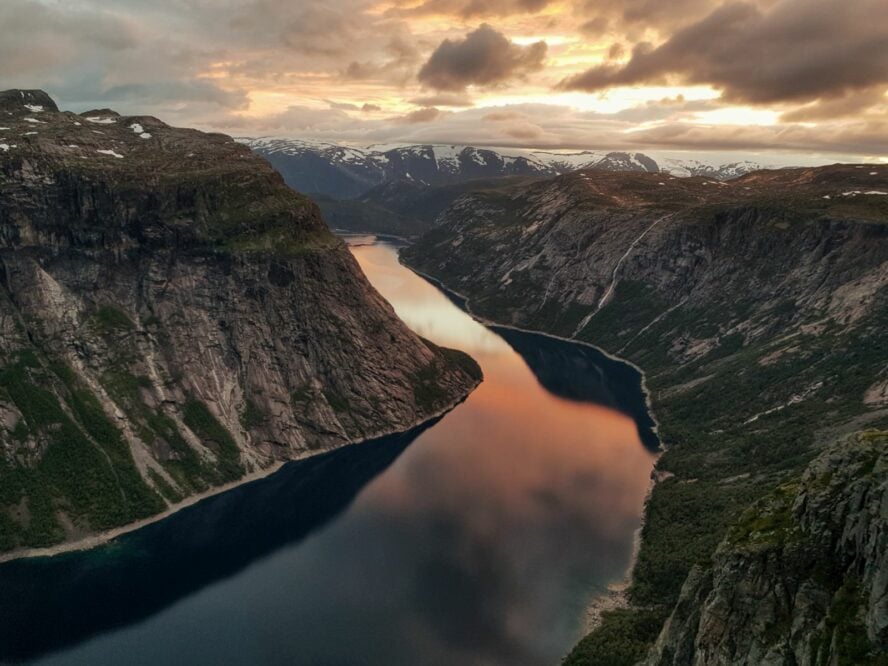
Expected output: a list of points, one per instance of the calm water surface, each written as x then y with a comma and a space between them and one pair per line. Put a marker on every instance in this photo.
478, 539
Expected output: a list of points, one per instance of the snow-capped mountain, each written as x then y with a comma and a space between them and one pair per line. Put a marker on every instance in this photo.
685, 168
346, 172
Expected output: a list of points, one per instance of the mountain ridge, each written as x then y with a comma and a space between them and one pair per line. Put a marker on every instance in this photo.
173, 318
346, 172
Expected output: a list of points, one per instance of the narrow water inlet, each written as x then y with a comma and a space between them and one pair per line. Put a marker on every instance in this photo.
451, 544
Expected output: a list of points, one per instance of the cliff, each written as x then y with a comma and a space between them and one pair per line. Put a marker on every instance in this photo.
172, 318
802, 578
756, 307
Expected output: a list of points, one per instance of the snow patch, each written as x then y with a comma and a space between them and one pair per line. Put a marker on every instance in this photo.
101, 120
4, 147
111, 153
34, 120
140, 131
34, 108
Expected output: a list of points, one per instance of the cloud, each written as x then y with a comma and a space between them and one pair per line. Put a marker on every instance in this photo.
424, 115
341, 70
851, 104
500, 116
861, 138
527, 132
799, 50
483, 58
468, 9
443, 99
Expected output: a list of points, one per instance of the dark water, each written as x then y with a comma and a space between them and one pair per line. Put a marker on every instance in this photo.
478, 539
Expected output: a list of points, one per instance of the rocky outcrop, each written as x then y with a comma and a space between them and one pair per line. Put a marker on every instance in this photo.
801, 579
173, 317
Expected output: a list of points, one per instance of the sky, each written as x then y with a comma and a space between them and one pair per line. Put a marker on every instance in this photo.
787, 80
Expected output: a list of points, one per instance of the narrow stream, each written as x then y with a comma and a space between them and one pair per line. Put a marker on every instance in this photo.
477, 539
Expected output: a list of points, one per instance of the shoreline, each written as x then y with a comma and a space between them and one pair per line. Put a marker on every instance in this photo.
648, 400
616, 594
105, 537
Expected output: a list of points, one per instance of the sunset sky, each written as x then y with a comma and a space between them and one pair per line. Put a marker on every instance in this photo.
799, 80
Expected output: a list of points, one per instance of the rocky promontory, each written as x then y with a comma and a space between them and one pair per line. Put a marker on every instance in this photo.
172, 318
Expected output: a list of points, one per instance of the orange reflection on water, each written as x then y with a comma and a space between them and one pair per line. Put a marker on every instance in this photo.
514, 461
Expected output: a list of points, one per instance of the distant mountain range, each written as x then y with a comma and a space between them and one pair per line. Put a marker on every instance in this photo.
345, 172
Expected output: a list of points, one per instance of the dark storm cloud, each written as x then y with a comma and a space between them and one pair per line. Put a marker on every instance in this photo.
632, 18
853, 104
484, 57
798, 50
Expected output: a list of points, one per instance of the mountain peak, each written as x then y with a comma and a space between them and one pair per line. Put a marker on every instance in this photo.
26, 101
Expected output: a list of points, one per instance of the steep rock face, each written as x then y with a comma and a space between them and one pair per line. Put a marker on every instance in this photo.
573, 241
757, 309
173, 317
803, 577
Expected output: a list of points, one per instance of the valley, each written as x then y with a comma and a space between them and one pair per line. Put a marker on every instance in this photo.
756, 365
400, 190
425, 546
444, 333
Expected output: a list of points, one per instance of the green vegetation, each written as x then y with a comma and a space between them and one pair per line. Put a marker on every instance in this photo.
108, 319
86, 471
845, 633
202, 423
158, 430
632, 307
338, 402
622, 639
283, 241
301, 396
252, 416
428, 392
770, 520
684, 523
170, 494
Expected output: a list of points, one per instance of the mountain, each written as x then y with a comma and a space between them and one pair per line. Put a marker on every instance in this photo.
802, 578
341, 172
174, 318
401, 190
402, 208
758, 309
344, 173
